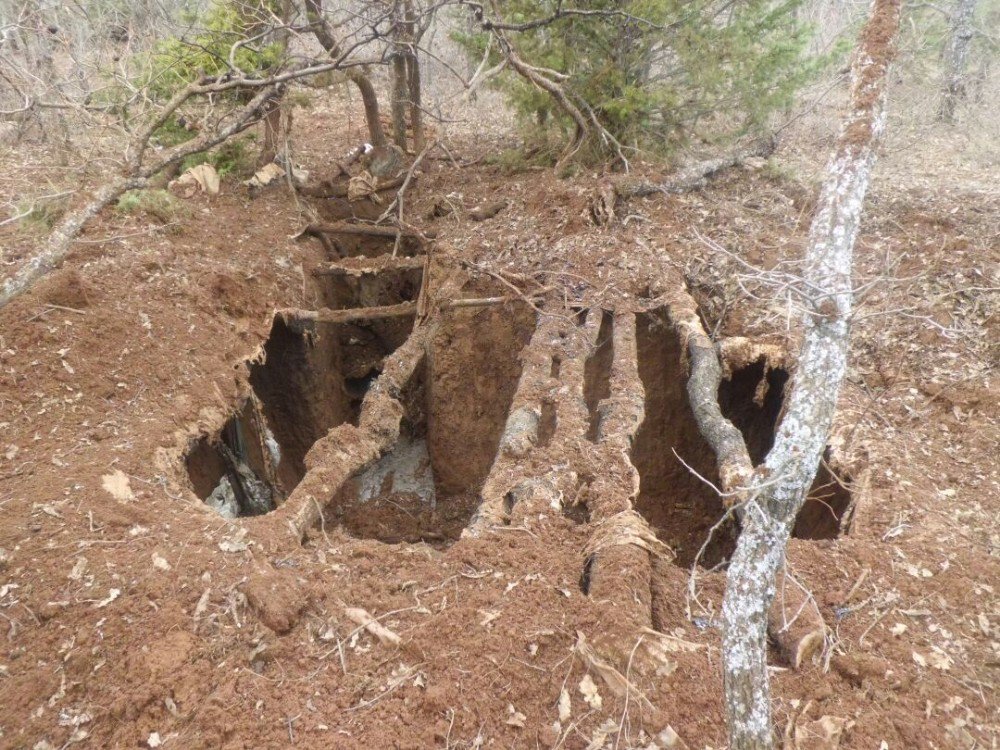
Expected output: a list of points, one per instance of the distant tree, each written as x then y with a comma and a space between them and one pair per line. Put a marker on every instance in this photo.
956, 58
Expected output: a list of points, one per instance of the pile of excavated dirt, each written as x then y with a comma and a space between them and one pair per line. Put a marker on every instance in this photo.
256, 494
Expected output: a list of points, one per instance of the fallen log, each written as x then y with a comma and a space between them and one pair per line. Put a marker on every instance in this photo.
606, 205
331, 190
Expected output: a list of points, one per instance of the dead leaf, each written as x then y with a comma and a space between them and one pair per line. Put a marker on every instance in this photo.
265, 176
822, 734
601, 734
79, 568
515, 717
565, 706
590, 692
614, 679
201, 177
117, 484
202, 605
939, 659
232, 544
668, 739
489, 615
112, 595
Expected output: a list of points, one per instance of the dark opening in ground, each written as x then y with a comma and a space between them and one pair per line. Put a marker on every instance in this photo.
597, 374
825, 511
306, 385
678, 505
388, 287
426, 488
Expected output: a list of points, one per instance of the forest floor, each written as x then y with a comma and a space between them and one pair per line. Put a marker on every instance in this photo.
135, 616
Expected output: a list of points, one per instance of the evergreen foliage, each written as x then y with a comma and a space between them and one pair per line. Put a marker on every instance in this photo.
657, 73
205, 51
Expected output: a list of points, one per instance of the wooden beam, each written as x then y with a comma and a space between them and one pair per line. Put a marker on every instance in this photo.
325, 315
370, 266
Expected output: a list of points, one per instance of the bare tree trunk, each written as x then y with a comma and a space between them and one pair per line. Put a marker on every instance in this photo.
324, 35
400, 95
958, 53
783, 480
278, 120
274, 134
413, 80
400, 98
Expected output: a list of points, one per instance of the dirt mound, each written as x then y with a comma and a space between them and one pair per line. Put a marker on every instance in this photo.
431, 477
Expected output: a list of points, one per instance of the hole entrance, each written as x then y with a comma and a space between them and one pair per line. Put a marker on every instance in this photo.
547, 423
825, 512
426, 487
678, 505
597, 374
306, 385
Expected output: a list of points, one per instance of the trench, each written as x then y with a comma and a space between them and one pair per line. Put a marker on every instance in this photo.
678, 505
426, 487
597, 374
304, 384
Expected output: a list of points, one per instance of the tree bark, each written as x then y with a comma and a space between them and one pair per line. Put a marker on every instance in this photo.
957, 55
788, 470
413, 81
400, 98
324, 35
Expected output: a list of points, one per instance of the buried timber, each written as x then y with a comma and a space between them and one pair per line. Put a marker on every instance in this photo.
415, 446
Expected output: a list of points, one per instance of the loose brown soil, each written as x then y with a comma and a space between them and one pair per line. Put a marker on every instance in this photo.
130, 608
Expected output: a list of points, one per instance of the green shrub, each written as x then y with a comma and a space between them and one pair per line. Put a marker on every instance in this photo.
159, 204
178, 61
235, 157
701, 70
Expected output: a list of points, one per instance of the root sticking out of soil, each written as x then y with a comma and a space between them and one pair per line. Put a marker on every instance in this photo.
426, 487
234, 471
679, 506
682, 507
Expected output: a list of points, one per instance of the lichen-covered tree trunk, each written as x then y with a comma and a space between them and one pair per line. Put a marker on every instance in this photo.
781, 483
956, 58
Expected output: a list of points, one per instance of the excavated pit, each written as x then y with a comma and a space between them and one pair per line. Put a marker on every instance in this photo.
597, 374
304, 385
426, 487
679, 506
